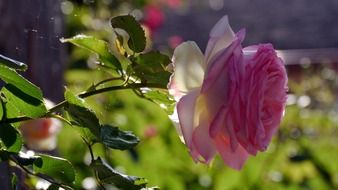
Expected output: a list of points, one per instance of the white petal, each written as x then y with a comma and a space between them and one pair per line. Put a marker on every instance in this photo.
186, 115
189, 67
221, 37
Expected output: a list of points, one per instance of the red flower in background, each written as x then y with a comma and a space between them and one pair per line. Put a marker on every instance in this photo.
174, 41
41, 134
153, 17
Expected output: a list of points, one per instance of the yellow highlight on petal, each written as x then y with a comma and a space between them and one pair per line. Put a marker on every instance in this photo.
201, 110
119, 47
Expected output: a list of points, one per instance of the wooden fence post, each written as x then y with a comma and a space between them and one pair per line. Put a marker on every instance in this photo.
30, 32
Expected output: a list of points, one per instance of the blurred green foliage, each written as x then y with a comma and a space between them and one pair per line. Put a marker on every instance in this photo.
302, 156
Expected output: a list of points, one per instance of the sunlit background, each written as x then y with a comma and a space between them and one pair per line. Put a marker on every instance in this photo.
303, 154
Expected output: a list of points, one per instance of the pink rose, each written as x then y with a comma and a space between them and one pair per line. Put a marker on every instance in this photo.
230, 100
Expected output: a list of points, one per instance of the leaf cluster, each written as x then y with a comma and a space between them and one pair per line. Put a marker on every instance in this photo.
130, 67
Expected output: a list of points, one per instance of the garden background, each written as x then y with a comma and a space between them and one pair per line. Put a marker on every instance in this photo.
304, 153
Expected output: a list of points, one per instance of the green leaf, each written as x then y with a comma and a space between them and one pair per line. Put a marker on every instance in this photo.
10, 76
106, 174
57, 168
82, 131
22, 98
53, 187
100, 47
14, 181
162, 98
12, 63
151, 67
137, 39
18, 103
81, 113
1, 109
117, 139
10, 138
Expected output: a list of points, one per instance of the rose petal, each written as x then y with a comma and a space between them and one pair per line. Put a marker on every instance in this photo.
202, 143
249, 52
265, 86
221, 37
173, 89
234, 159
176, 122
221, 61
223, 91
224, 125
194, 120
229, 107
189, 67
186, 114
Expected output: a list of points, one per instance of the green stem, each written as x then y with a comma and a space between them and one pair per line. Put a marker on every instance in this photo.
129, 86
85, 95
89, 145
40, 176
107, 89
14, 120
107, 80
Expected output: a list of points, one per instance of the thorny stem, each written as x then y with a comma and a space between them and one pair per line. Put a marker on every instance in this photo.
85, 95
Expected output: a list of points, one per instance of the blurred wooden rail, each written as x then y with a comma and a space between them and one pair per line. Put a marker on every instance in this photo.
309, 56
